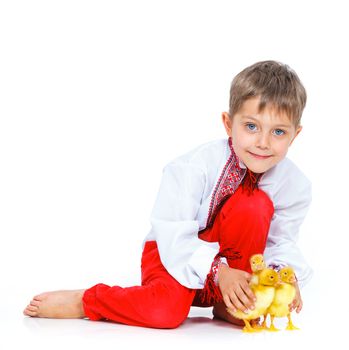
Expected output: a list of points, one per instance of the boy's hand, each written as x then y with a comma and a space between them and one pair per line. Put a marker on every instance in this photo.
235, 289
297, 302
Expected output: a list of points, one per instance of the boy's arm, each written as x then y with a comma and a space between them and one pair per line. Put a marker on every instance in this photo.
175, 228
291, 205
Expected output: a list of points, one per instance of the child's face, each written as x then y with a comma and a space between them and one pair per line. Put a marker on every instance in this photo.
260, 139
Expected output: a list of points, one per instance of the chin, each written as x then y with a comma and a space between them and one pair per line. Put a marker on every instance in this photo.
259, 166
259, 169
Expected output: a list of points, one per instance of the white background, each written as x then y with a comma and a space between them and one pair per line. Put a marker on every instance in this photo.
97, 96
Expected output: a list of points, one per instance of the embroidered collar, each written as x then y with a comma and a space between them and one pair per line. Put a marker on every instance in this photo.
229, 180
234, 174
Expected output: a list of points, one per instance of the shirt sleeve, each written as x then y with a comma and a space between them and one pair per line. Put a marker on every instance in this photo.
175, 227
291, 206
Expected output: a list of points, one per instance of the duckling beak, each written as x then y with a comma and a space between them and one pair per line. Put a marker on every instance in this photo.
292, 279
277, 284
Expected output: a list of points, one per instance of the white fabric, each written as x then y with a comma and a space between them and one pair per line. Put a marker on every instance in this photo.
181, 210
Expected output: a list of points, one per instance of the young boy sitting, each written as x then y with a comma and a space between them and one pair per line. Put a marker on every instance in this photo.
217, 205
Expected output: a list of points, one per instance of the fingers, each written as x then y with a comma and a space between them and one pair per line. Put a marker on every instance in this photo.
296, 305
247, 276
235, 289
246, 298
291, 307
248, 291
299, 307
237, 300
228, 303
240, 299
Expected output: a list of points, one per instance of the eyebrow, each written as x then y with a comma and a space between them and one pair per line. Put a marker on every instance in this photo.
287, 126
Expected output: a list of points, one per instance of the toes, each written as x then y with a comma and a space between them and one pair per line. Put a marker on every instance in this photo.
35, 303
30, 311
32, 308
40, 297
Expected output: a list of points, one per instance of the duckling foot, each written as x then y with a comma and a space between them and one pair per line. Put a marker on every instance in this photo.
272, 328
264, 324
248, 328
291, 327
256, 326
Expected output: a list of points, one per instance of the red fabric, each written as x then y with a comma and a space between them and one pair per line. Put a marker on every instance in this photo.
241, 228
160, 302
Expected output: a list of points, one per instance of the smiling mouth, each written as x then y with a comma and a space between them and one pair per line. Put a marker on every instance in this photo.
259, 156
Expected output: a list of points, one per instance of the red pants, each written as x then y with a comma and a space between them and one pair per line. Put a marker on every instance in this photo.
161, 302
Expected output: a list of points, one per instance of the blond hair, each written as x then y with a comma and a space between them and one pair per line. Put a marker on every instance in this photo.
277, 86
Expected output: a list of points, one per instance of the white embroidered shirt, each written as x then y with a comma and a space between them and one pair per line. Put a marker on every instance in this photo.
183, 202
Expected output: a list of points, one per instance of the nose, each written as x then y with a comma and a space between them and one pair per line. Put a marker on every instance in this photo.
263, 141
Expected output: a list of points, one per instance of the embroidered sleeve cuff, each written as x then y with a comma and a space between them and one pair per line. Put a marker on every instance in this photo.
211, 293
215, 267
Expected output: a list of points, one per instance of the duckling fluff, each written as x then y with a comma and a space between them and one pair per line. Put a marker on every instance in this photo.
264, 292
285, 293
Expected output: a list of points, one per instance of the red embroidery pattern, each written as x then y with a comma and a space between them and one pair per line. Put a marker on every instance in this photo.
227, 184
211, 293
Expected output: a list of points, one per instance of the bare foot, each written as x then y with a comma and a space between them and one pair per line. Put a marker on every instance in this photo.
220, 311
58, 304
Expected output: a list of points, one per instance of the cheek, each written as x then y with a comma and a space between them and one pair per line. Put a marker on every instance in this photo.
239, 145
241, 139
281, 148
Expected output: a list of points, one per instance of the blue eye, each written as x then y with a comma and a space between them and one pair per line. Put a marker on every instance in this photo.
251, 126
279, 132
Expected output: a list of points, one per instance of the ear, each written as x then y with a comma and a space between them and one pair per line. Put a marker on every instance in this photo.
227, 123
298, 130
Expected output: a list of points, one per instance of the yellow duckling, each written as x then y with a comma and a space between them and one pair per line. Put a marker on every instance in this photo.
257, 265
264, 292
285, 292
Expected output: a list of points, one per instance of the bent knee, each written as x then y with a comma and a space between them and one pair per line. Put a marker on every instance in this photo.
164, 316
262, 202
257, 204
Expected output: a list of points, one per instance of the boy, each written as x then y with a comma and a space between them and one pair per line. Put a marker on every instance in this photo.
217, 205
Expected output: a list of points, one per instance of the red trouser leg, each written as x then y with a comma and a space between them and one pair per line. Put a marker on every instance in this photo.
241, 227
160, 302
